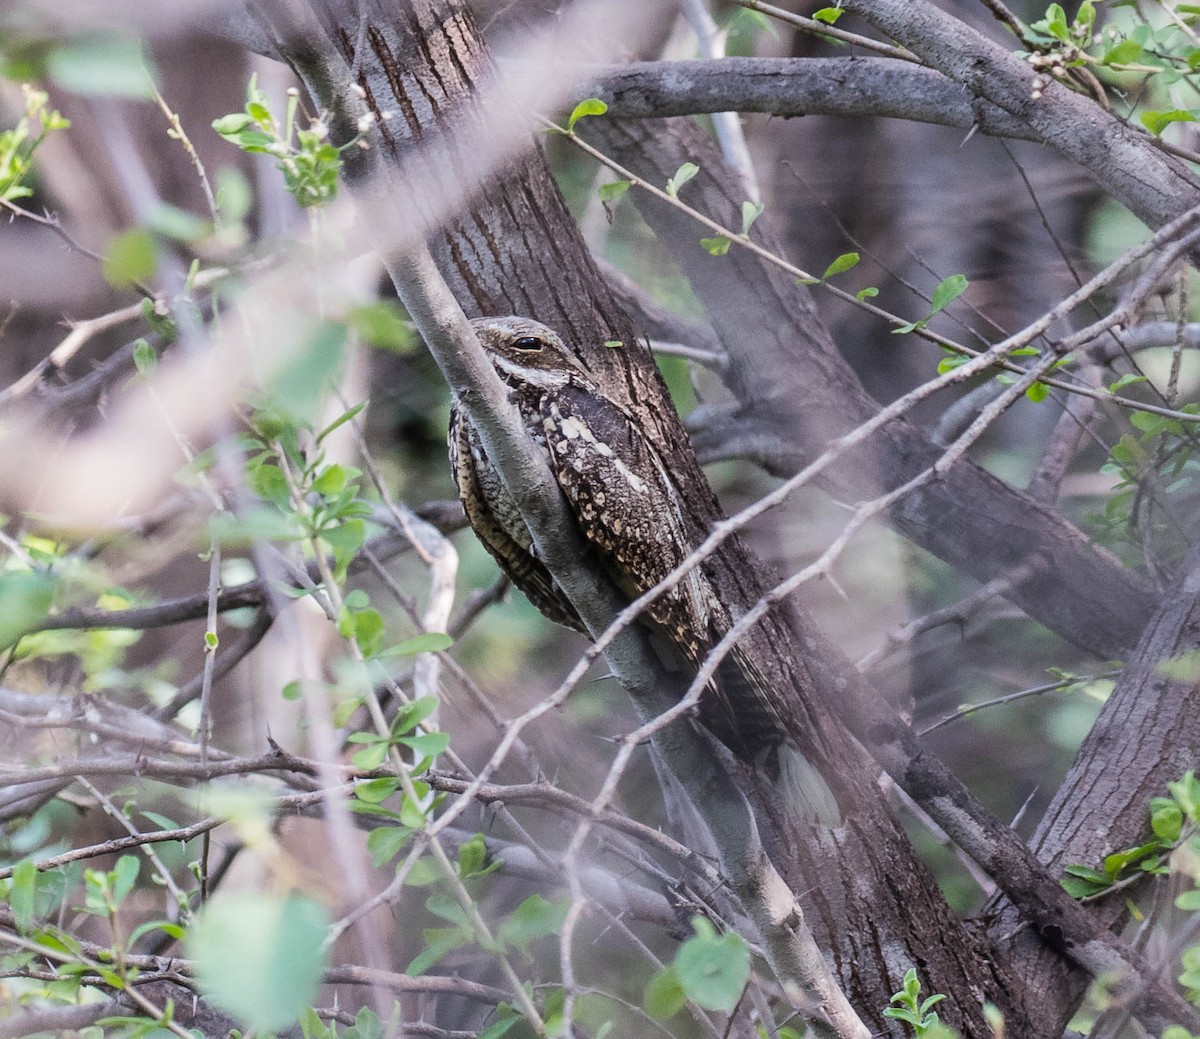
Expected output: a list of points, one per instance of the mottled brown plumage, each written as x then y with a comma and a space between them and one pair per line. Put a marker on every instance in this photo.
627, 505
636, 518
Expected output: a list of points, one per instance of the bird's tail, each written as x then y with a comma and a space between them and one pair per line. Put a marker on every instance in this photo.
803, 791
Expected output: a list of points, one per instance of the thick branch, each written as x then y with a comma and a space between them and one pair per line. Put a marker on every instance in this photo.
1125, 162
517, 251
796, 392
446, 43
850, 87
1146, 736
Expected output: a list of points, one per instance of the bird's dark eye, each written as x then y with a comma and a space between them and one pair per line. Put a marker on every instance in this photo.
527, 343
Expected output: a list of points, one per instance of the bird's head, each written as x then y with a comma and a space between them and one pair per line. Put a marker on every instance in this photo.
526, 351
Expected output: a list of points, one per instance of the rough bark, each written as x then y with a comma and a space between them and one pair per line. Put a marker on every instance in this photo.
516, 250
1145, 737
1156, 186
795, 393
848, 87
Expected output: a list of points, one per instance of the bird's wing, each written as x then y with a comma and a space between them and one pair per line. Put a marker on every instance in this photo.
627, 505
499, 527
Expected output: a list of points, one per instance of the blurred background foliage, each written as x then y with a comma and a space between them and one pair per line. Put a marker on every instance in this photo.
919, 202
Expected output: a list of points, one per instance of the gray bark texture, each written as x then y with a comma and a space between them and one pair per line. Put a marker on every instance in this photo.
514, 249
795, 393
1146, 736
845, 87
1155, 186
517, 251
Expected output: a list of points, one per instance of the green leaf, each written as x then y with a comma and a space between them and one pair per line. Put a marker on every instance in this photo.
345, 539
1079, 888
270, 484
1156, 122
234, 196
331, 479
102, 65
448, 909
664, 996
1118, 861
130, 257
383, 325
1128, 379
912, 326
845, 262
411, 715
232, 124
441, 940
1188, 900
829, 15
125, 875
1153, 425
370, 757
297, 389
22, 895
373, 791
1038, 392
423, 873
1056, 23
751, 211
932, 1001
428, 642
1187, 793
1088, 873
472, 854
948, 290
713, 970
1127, 52
613, 190
499, 1028
172, 222
427, 744
25, 599
341, 420
1166, 819
868, 293
532, 919
144, 356
717, 246
1183, 668
586, 107
167, 928
260, 957
158, 316
682, 175
386, 842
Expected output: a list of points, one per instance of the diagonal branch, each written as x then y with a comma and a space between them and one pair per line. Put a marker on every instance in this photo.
790, 380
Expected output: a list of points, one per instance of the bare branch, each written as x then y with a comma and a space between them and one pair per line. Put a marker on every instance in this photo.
847, 87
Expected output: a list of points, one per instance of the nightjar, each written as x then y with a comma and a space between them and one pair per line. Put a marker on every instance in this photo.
632, 512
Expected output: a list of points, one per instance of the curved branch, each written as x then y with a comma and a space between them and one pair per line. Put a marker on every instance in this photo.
1155, 186
851, 87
